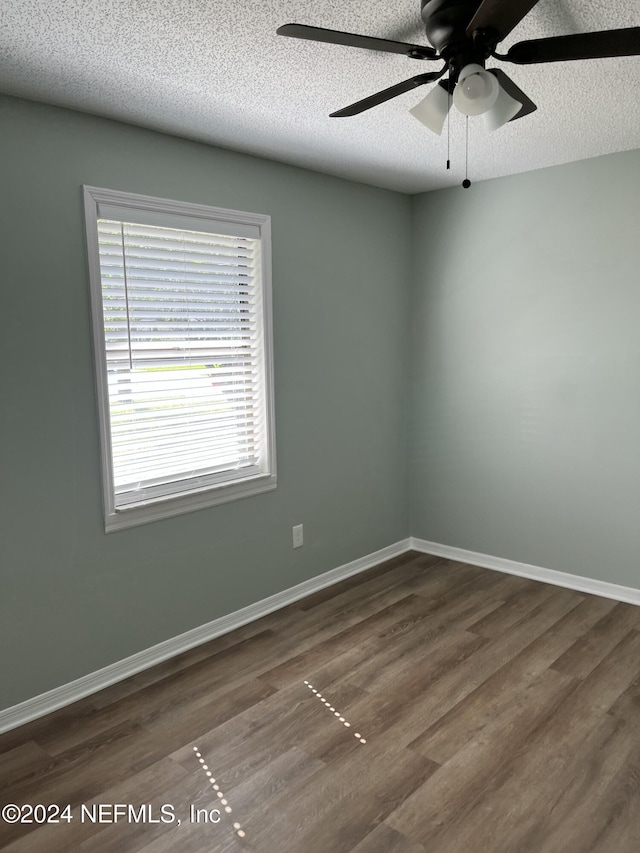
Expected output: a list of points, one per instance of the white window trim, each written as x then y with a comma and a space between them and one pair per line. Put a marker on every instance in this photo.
167, 507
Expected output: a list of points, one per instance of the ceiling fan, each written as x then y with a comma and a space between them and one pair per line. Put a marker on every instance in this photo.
463, 34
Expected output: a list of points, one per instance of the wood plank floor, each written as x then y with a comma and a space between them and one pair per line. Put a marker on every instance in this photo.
426, 705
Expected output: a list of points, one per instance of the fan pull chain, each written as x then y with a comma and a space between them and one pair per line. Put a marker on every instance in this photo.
449, 129
466, 183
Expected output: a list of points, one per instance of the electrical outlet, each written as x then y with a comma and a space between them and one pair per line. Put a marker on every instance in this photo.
298, 536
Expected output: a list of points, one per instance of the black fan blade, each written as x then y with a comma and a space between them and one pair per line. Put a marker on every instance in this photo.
301, 31
582, 46
511, 89
387, 94
501, 16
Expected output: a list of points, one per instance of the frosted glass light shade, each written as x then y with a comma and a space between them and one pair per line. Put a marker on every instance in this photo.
476, 91
504, 109
433, 110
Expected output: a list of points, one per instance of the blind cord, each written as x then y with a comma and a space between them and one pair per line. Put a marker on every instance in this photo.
126, 295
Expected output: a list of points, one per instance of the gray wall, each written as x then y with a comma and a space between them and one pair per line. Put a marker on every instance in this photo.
74, 599
526, 368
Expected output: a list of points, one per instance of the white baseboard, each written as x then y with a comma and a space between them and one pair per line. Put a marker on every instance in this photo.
59, 697
628, 594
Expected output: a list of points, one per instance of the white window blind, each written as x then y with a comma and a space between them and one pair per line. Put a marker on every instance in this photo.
184, 359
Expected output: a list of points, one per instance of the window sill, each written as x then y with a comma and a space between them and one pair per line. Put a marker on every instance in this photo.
137, 514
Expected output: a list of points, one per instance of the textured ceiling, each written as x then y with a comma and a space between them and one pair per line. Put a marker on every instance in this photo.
216, 72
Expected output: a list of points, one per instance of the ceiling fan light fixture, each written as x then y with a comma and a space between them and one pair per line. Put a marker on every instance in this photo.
504, 109
476, 91
433, 110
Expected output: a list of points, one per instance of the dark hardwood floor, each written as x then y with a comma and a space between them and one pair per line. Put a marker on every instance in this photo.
426, 705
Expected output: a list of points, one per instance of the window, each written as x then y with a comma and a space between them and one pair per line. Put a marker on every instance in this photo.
181, 304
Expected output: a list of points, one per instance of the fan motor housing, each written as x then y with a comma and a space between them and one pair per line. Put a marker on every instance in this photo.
446, 23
